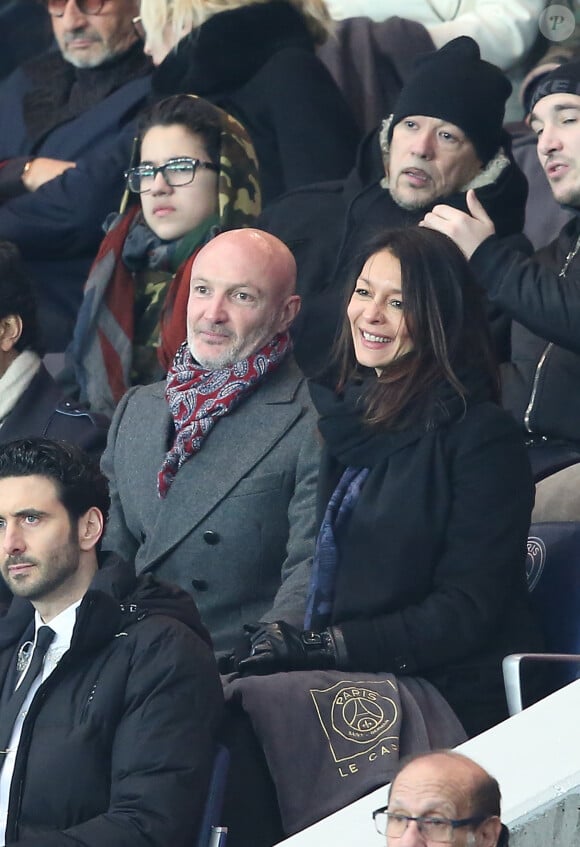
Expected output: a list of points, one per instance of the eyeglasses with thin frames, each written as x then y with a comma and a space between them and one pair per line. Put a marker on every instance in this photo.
433, 829
175, 172
56, 8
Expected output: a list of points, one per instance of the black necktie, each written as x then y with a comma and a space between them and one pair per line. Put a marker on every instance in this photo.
12, 705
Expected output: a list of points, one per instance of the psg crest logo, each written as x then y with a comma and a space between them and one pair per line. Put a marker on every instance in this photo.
535, 561
358, 718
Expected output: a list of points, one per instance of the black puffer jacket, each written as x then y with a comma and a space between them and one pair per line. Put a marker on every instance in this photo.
541, 384
116, 746
327, 225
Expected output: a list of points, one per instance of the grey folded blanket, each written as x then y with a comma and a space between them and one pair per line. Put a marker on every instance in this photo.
330, 737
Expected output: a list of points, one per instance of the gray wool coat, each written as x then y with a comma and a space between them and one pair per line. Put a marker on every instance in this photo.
237, 527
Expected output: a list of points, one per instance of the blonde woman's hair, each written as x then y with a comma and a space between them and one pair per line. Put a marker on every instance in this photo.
185, 15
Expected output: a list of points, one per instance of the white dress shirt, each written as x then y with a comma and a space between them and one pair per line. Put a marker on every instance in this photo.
63, 625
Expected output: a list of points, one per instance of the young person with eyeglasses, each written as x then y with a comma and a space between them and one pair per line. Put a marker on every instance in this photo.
196, 176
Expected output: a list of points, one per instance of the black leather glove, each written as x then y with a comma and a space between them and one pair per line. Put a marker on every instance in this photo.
280, 647
229, 663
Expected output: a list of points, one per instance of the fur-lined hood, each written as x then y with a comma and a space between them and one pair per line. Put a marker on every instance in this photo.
226, 51
501, 186
487, 176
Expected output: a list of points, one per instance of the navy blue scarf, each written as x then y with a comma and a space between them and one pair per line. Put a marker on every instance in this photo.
325, 564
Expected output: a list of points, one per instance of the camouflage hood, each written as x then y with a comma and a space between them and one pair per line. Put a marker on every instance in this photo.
102, 347
239, 182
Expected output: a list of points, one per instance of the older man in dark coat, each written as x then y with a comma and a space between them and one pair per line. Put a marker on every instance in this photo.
444, 136
65, 139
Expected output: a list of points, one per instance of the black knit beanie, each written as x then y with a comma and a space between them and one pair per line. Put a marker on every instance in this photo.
562, 80
456, 85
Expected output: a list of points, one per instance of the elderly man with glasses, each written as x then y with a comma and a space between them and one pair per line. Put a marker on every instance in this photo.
65, 140
442, 797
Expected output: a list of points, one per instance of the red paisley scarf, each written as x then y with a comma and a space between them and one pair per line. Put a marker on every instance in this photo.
197, 397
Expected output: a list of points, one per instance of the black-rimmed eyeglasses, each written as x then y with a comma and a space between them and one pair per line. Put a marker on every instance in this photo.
138, 27
175, 172
56, 8
433, 829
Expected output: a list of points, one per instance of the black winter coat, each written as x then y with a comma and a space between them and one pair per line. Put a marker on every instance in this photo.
258, 63
541, 384
431, 578
327, 226
117, 744
58, 228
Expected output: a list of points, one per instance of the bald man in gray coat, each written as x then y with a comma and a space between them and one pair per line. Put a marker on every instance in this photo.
213, 471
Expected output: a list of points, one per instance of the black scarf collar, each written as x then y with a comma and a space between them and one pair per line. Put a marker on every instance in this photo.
61, 92
230, 48
355, 443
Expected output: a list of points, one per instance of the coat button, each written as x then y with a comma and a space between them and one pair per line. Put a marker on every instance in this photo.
199, 584
211, 537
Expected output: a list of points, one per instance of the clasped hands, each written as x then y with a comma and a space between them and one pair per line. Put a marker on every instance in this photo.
271, 647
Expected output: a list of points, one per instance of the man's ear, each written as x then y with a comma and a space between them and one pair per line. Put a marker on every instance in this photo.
90, 528
489, 832
10, 332
289, 311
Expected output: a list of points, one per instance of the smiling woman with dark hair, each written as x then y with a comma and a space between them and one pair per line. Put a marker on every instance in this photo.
425, 492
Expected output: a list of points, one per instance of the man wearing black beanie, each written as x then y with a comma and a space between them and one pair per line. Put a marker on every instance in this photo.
445, 135
456, 85
541, 384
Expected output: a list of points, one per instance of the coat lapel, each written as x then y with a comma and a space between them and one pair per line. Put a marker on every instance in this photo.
234, 447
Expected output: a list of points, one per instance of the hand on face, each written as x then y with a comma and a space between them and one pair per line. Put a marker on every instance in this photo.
428, 159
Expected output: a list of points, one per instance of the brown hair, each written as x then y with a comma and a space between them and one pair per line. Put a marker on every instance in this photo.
193, 113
